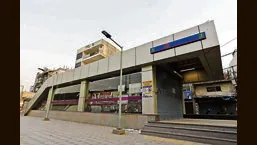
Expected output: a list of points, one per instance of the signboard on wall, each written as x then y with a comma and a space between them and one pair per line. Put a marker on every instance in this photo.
123, 88
135, 88
179, 42
147, 89
187, 95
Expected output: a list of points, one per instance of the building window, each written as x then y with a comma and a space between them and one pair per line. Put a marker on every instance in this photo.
104, 95
213, 89
78, 64
79, 55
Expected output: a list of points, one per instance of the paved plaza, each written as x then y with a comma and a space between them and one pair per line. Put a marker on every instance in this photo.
35, 131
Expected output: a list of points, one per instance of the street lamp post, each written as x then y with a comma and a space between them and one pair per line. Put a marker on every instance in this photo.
119, 130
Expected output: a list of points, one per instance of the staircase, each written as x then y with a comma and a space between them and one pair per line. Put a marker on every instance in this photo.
209, 134
38, 94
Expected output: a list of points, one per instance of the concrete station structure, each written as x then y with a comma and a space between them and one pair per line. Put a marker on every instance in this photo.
155, 72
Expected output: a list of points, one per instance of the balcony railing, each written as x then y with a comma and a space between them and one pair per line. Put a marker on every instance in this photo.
93, 54
230, 73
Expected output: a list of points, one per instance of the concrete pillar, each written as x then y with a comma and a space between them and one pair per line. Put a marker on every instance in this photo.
193, 102
183, 101
83, 95
50, 98
194, 105
149, 94
25, 105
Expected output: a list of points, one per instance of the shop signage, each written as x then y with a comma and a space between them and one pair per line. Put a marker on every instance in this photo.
135, 88
147, 89
179, 42
123, 88
105, 93
187, 95
147, 83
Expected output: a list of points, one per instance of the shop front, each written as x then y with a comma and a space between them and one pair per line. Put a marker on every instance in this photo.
104, 95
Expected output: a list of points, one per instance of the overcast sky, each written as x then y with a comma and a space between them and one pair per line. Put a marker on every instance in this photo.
52, 30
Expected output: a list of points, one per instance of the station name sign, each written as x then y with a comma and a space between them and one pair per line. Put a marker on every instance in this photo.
179, 42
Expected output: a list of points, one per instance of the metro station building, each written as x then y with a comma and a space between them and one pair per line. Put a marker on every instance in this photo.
153, 74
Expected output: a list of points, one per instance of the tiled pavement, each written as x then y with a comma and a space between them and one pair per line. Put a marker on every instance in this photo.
35, 131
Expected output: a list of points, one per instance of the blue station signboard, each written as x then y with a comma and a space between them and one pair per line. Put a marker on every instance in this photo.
179, 42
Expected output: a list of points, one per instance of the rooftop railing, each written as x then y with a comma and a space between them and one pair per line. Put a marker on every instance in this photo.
230, 73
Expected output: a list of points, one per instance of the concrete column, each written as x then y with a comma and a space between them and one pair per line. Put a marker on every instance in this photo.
83, 95
193, 102
149, 94
183, 101
50, 98
25, 105
194, 105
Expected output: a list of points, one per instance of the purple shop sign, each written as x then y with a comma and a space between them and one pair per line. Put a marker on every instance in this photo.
116, 99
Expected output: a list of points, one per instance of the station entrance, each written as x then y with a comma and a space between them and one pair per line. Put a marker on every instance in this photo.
169, 94
170, 78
